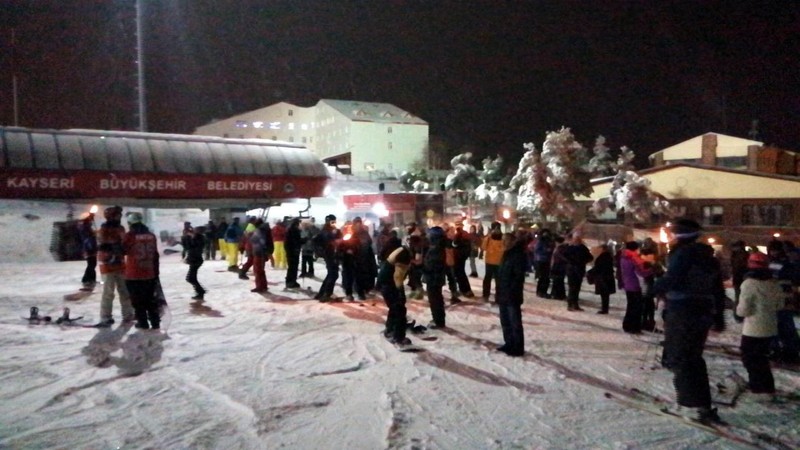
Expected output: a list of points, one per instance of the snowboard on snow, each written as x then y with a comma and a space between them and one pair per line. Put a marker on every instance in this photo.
163, 308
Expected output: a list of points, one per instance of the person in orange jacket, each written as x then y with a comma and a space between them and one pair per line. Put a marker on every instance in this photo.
141, 271
493, 249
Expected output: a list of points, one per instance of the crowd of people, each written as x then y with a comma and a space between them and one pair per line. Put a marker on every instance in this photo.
417, 261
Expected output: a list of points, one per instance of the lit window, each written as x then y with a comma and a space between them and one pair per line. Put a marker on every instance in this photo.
291, 113
712, 215
390, 130
241, 124
291, 125
303, 126
779, 215
274, 125
258, 124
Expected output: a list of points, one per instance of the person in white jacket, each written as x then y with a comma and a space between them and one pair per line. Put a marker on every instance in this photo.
759, 302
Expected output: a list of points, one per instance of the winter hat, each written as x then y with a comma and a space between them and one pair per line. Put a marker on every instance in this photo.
330, 217
112, 212
435, 233
758, 261
686, 229
134, 217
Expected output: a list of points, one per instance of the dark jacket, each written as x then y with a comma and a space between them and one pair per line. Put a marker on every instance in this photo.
433, 266
294, 239
511, 275
577, 256
603, 273
693, 279
326, 241
194, 249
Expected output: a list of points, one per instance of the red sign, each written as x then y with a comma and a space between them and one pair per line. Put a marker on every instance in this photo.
392, 201
88, 184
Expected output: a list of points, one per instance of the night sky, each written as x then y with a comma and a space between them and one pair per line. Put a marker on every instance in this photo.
487, 75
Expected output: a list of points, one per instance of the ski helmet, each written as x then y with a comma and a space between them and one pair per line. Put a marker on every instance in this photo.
134, 217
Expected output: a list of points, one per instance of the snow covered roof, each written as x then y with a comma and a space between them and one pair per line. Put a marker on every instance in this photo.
692, 148
696, 181
373, 112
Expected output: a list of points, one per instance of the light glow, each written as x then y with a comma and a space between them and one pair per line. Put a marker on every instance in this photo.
380, 209
93, 209
776, 235
662, 235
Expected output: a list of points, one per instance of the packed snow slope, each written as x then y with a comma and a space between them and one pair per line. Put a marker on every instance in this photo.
280, 370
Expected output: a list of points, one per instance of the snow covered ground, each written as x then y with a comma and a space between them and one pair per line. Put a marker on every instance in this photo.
280, 370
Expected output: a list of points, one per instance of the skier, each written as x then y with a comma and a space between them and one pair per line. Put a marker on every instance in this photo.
693, 289
493, 249
89, 245
210, 235
462, 248
391, 277
141, 271
558, 270
577, 256
738, 262
604, 280
111, 256
309, 231
542, 256
633, 274
293, 246
233, 233
786, 346
262, 246
327, 241
759, 302
509, 295
195, 247
434, 270
279, 237
245, 245
367, 269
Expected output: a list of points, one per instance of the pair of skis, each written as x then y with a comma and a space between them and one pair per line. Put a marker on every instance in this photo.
657, 406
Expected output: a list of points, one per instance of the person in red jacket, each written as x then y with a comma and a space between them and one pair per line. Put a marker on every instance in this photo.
141, 271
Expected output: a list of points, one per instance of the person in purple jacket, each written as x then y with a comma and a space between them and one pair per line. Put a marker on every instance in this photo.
632, 276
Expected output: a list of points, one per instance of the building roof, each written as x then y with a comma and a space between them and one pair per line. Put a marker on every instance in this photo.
697, 181
90, 164
373, 112
692, 148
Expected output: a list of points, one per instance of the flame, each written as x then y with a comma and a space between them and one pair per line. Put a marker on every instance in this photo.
662, 235
347, 236
93, 209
